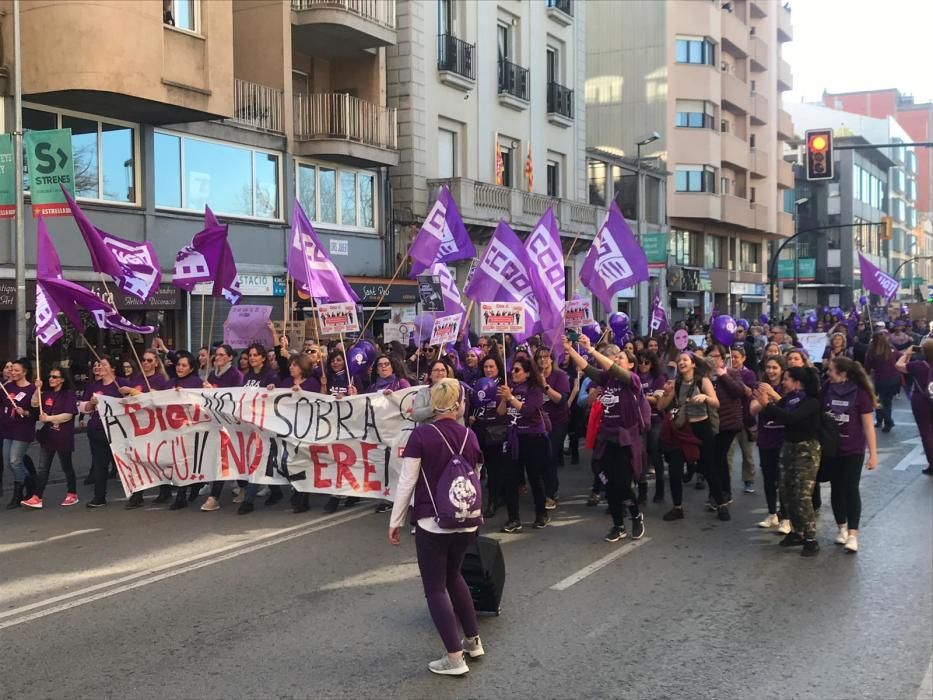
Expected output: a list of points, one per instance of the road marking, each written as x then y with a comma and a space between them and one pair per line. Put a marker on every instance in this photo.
926, 685
394, 573
912, 457
598, 564
127, 583
16, 546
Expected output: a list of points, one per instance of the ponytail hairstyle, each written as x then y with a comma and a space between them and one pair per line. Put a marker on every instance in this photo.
854, 371
446, 396
880, 348
808, 378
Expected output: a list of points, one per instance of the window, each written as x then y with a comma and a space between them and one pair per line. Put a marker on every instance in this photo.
443, 17
504, 33
191, 173
714, 248
301, 83
596, 177
507, 169
749, 256
624, 191
695, 178
553, 178
553, 65
104, 153
182, 14
696, 114
684, 247
652, 200
344, 197
698, 50
856, 183
446, 153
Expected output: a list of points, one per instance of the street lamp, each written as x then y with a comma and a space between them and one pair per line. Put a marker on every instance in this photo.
639, 193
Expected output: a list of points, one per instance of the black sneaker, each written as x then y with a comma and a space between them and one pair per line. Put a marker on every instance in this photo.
165, 495
136, 501
245, 508
274, 497
658, 498
332, 504
616, 533
383, 507
701, 483
791, 539
638, 526
351, 501
723, 513
96, 503
810, 548
301, 503
711, 506
675, 513
512, 526
181, 501
541, 522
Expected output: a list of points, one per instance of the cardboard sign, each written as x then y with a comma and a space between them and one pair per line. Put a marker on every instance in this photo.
498, 317
247, 324
445, 329
338, 319
814, 344
430, 294
397, 332
577, 314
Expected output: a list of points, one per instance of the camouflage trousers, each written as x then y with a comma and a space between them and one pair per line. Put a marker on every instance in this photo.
800, 462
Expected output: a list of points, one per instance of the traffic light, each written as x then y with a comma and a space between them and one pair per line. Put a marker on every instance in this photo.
887, 228
820, 154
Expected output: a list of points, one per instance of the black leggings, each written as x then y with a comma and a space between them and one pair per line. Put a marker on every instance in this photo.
675, 461
532, 459
495, 464
723, 441
617, 466
846, 473
45, 466
101, 457
770, 458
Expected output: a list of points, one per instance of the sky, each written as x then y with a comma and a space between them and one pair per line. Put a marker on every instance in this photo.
849, 45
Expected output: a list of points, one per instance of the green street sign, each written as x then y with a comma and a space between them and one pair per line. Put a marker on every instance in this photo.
806, 271
655, 247
7, 178
785, 269
51, 167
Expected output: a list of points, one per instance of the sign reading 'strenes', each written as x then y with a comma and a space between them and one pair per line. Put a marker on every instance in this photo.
51, 167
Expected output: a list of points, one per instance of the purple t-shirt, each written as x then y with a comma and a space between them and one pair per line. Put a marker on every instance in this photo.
618, 410
59, 437
559, 413
770, 433
338, 383
230, 378
847, 402
191, 381
157, 381
93, 389
649, 385
16, 427
922, 374
527, 419
484, 409
884, 370
261, 380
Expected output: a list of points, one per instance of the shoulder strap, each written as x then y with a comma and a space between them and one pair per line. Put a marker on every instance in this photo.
438, 431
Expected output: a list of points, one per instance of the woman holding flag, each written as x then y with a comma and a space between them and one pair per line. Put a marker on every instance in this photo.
18, 426
56, 436
106, 384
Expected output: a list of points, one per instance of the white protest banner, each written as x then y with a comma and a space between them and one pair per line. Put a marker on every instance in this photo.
445, 329
578, 313
397, 332
247, 324
502, 317
317, 443
338, 319
814, 344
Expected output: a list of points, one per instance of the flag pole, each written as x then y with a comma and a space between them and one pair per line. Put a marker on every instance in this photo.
129, 339
573, 244
505, 372
346, 363
201, 344
38, 372
90, 347
385, 291
286, 307
213, 308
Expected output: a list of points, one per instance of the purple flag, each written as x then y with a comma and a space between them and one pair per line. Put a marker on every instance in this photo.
48, 329
658, 315
616, 260
874, 280
442, 238
547, 260
311, 267
208, 257
134, 266
70, 298
505, 273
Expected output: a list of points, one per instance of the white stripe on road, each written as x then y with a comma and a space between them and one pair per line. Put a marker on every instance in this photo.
106, 589
926, 685
598, 564
16, 546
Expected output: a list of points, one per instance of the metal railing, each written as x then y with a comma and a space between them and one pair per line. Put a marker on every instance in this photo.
565, 6
513, 79
258, 106
560, 100
342, 116
455, 55
379, 11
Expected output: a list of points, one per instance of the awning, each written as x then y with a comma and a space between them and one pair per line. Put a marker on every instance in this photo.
753, 299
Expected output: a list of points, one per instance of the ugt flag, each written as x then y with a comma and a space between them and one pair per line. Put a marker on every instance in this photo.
442, 238
311, 267
208, 258
874, 280
616, 261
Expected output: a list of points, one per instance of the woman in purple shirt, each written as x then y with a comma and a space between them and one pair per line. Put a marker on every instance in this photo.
388, 375
19, 427
56, 436
491, 430
770, 441
556, 395
105, 384
224, 375
849, 398
523, 402
881, 365
920, 370
652, 385
339, 382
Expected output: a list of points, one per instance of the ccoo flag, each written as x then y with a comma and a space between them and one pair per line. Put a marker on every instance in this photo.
874, 280
311, 267
616, 260
547, 261
208, 258
442, 238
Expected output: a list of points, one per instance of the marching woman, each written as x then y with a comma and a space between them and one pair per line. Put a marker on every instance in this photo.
652, 385
339, 381
440, 550
56, 436
799, 412
920, 370
850, 399
106, 384
690, 398
619, 441
299, 375
259, 375
881, 366
19, 427
838, 346
388, 375
556, 394
523, 402
224, 374
186, 375
770, 441
731, 392
490, 429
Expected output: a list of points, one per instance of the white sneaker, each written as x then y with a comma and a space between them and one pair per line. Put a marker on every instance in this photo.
784, 527
205, 490
852, 544
445, 667
473, 647
770, 521
842, 536
211, 504
263, 492
240, 495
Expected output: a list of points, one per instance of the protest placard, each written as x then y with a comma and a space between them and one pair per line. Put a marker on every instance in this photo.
814, 344
247, 324
502, 317
578, 313
338, 319
445, 329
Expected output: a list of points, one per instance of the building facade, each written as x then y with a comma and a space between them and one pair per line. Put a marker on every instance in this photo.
707, 78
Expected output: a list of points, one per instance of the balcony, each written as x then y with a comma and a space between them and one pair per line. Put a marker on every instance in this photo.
734, 35
345, 128
785, 126
759, 111
484, 204
735, 151
455, 63
735, 93
785, 29
760, 216
785, 175
785, 224
694, 205
737, 211
343, 27
785, 79
758, 52
513, 86
759, 161
758, 8
258, 106
561, 11
559, 105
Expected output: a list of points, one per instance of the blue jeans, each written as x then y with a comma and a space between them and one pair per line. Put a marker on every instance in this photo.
13, 453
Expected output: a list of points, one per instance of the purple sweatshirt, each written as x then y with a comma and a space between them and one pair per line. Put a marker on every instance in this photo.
528, 419
848, 402
882, 370
16, 427
559, 413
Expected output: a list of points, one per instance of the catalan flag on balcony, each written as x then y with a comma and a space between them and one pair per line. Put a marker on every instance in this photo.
529, 170
500, 164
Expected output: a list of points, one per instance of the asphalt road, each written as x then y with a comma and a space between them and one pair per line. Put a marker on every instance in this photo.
157, 604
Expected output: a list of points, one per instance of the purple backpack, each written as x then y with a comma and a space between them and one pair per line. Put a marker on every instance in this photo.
459, 494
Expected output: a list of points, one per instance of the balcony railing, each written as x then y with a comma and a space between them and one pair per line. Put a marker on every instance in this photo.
342, 116
513, 80
258, 106
379, 11
560, 100
455, 55
565, 6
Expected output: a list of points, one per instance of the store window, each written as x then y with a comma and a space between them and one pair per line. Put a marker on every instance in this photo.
343, 198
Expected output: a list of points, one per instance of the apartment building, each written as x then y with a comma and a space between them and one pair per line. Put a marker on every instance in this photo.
476, 83
706, 76
242, 105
